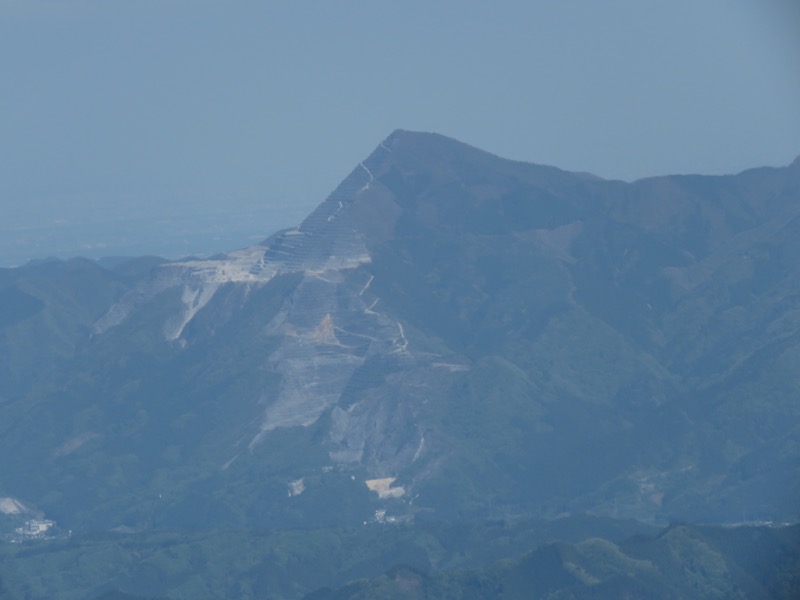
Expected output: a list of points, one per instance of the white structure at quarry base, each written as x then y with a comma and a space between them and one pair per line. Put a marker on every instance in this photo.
35, 528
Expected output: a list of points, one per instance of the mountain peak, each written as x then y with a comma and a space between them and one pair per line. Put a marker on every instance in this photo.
426, 144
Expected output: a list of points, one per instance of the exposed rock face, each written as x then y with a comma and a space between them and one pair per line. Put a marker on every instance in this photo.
11, 506
327, 328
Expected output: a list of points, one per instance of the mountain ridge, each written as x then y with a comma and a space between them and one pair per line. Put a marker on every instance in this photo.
443, 316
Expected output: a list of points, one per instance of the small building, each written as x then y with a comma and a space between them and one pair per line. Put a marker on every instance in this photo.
35, 527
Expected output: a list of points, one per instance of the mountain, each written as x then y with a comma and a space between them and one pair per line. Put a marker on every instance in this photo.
449, 336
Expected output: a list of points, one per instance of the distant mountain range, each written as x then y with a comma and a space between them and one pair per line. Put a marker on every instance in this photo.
118, 225
449, 336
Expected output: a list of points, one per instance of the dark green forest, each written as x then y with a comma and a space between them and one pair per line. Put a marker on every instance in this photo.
568, 558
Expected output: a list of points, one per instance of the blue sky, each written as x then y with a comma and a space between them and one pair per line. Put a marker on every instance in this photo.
166, 104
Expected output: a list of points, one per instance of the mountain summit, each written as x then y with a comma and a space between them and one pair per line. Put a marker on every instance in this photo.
449, 334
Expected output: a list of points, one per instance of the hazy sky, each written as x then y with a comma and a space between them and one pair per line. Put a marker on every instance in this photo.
127, 103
